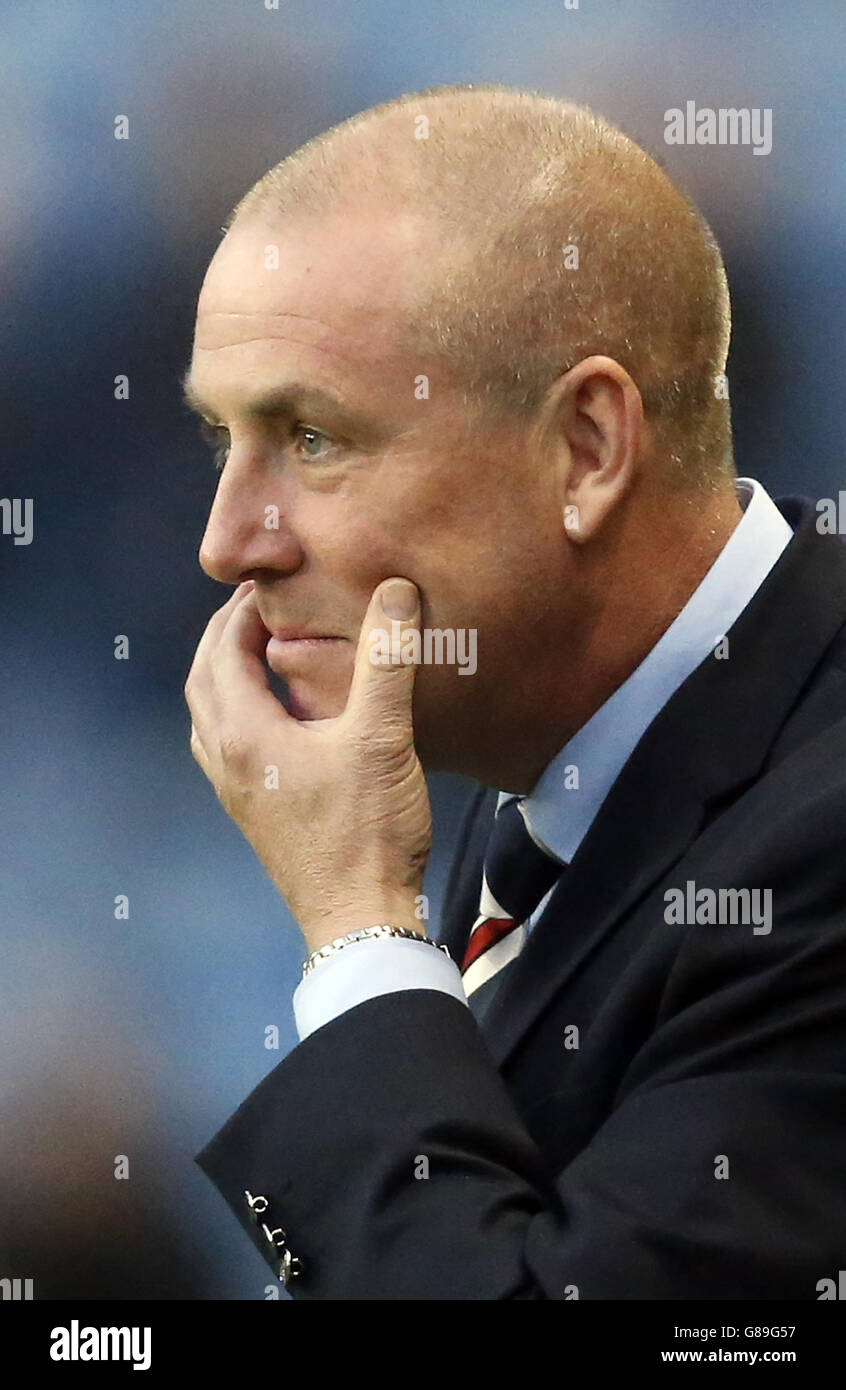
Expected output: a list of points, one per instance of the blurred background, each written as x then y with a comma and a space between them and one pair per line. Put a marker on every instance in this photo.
141, 1036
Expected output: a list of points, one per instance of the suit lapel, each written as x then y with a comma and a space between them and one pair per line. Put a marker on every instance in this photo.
710, 739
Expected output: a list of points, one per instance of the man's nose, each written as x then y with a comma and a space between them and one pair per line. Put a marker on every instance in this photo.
247, 531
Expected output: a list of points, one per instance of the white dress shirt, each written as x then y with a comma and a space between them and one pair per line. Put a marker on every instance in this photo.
557, 815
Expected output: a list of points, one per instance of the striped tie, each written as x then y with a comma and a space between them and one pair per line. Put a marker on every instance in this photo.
517, 875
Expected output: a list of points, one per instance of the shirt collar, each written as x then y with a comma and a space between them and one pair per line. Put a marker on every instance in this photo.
561, 807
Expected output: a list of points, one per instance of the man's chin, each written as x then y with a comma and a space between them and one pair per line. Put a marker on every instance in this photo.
306, 704
440, 735
312, 685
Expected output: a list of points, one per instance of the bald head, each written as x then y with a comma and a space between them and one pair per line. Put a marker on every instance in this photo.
546, 236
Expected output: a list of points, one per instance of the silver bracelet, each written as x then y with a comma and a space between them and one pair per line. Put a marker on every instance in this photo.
366, 933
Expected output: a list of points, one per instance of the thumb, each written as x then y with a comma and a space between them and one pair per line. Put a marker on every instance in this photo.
388, 651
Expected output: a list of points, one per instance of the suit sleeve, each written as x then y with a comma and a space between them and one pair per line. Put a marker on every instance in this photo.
364, 969
391, 1152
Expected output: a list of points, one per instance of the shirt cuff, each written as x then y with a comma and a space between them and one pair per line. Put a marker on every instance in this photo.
365, 969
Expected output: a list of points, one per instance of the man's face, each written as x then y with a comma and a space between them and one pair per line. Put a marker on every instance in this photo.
368, 477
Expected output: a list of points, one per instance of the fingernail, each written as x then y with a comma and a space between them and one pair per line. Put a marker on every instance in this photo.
399, 600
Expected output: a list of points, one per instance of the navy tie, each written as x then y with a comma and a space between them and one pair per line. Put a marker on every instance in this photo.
517, 876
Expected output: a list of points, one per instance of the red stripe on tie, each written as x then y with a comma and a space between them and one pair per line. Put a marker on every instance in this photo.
486, 934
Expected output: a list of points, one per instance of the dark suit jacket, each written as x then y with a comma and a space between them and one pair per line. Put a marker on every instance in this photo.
693, 1144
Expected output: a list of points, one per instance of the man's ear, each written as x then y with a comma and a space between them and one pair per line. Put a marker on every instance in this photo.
592, 421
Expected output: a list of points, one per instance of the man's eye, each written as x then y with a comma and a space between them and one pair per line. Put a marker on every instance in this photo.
217, 437
311, 442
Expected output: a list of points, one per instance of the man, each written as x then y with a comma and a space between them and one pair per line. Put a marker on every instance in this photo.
465, 359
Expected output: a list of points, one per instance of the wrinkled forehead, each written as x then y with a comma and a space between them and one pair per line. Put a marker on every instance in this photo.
356, 273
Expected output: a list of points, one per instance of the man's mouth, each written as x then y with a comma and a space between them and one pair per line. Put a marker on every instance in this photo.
291, 645
297, 636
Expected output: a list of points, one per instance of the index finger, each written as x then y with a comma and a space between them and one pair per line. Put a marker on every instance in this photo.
217, 622
240, 671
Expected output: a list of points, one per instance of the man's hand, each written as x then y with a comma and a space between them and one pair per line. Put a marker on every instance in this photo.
346, 833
